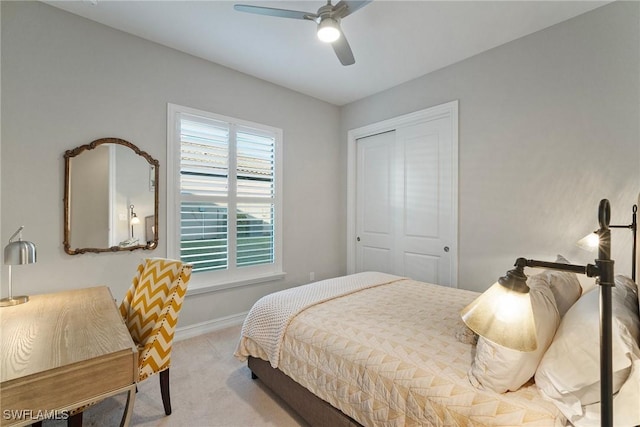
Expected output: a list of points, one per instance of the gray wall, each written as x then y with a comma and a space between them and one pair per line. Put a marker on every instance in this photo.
549, 125
67, 81
1, 280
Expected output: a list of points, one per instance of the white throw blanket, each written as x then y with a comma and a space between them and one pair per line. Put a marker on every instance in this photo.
268, 319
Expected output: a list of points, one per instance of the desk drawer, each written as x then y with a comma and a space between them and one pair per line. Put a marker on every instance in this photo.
68, 386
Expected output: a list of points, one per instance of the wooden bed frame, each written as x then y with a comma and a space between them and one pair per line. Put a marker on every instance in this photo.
310, 407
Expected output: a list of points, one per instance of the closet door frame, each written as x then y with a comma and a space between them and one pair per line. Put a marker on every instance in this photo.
449, 109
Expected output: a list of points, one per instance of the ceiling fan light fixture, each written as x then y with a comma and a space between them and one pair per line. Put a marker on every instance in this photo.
328, 30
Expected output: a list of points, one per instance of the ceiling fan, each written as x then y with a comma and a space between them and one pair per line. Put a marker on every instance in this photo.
328, 19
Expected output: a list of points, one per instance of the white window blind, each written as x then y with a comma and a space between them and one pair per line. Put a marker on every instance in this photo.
204, 160
255, 234
203, 235
255, 164
228, 201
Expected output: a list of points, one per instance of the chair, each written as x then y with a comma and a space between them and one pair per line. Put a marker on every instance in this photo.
150, 310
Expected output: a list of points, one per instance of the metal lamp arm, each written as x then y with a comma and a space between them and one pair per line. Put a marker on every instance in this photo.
16, 233
634, 220
589, 269
634, 229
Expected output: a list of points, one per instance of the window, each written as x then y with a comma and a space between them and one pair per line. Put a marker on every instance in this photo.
224, 207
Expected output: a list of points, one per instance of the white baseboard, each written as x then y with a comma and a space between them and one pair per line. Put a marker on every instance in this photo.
182, 333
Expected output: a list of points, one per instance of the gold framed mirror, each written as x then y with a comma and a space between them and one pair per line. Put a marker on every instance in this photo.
110, 198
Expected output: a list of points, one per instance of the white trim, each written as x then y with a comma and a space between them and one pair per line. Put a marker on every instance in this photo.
255, 280
173, 181
186, 332
232, 199
449, 109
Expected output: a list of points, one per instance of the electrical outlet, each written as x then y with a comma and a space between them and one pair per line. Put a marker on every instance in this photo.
312, 276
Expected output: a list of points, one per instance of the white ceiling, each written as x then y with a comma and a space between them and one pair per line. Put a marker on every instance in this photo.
393, 41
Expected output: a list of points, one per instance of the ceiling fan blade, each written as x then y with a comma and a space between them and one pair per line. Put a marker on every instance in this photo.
281, 13
347, 7
343, 50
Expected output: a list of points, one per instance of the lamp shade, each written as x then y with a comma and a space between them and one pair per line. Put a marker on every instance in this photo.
590, 242
503, 316
19, 252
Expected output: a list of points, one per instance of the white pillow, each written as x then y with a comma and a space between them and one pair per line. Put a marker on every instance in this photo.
565, 286
502, 369
569, 372
587, 283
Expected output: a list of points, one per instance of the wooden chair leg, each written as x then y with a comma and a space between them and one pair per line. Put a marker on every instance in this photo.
164, 390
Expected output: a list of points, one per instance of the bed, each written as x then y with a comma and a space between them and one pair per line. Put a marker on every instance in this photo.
338, 362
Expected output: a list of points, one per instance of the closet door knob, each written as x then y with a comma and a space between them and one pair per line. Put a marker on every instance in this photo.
446, 248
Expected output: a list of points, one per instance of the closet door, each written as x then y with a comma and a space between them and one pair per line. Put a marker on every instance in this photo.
404, 188
424, 185
375, 192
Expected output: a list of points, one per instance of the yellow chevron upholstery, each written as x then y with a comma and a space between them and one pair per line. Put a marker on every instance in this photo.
150, 310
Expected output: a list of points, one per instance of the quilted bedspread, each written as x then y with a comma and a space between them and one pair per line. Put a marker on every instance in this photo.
269, 317
388, 356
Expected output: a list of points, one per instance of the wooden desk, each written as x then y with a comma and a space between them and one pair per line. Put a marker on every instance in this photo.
61, 351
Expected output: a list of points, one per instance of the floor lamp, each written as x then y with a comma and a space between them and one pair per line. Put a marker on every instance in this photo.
503, 314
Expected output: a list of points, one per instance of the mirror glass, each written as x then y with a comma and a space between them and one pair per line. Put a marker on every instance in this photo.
111, 198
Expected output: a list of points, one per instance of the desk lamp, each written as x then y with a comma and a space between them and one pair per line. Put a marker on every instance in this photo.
16, 253
503, 314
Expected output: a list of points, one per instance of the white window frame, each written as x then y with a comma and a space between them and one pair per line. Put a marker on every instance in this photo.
231, 277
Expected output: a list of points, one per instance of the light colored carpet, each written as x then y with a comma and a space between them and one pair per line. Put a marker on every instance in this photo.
209, 387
